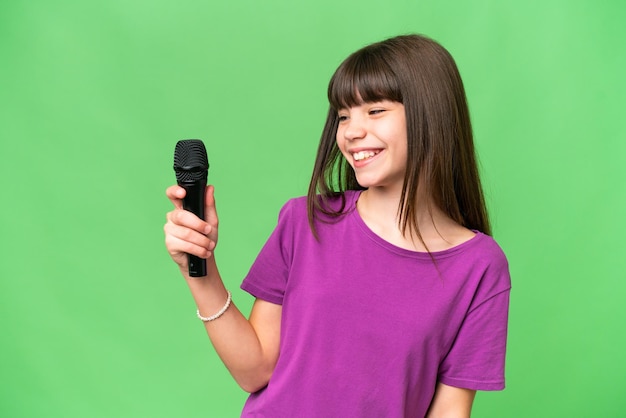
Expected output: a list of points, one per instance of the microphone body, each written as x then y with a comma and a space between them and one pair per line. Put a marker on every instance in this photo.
191, 166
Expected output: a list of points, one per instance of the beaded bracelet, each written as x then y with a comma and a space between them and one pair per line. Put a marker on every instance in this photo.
217, 315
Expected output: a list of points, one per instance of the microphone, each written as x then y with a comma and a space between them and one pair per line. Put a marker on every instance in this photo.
191, 166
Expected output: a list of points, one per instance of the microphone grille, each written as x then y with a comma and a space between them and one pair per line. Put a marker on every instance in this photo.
190, 160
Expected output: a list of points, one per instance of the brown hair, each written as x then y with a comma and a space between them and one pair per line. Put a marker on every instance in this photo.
422, 75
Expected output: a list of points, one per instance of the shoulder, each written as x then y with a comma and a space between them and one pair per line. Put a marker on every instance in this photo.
496, 277
487, 247
293, 210
294, 204
480, 265
480, 248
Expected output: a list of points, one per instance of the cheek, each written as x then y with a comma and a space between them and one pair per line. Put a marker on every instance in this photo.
340, 143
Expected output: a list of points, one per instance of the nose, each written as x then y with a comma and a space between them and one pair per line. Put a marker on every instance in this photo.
354, 129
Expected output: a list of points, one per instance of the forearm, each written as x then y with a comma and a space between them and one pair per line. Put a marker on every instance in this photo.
233, 336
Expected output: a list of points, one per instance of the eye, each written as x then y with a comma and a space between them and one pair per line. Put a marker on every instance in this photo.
342, 118
376, 111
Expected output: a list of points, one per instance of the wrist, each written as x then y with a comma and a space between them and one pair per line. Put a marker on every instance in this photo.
211, 270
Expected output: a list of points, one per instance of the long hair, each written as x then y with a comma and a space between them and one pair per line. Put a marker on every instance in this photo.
422, 75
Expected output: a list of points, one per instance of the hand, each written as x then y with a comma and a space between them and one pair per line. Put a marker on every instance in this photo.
185, 233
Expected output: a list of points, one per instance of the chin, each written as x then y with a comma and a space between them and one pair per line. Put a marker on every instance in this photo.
366, 183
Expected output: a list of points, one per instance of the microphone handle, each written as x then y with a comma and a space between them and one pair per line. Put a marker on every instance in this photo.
194, 202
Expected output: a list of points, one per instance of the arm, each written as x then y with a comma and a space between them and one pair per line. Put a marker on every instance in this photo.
451, 402
248, 348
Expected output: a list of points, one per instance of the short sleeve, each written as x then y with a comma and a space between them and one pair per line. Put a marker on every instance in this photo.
477, 356
267, 278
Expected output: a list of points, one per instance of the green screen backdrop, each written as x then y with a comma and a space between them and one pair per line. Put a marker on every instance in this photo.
96, 321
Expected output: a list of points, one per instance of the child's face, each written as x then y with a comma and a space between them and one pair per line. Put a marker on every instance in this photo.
372, 137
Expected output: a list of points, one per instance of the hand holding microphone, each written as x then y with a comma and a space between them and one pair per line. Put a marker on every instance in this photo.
191, 228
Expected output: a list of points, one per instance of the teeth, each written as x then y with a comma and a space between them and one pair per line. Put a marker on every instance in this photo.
361, 155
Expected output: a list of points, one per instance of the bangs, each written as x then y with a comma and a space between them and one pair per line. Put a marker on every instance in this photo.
364, 77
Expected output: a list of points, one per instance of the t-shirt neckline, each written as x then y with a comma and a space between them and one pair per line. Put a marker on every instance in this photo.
355, 217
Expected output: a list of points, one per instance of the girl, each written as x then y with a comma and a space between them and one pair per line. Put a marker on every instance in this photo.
381, 293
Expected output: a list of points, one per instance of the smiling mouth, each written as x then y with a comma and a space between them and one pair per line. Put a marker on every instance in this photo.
364, 155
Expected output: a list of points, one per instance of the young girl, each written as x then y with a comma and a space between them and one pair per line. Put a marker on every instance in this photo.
381, 293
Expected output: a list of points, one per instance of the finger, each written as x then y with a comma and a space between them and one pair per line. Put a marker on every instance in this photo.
179, 249
210, 210
187, 219
179, 239
176, 194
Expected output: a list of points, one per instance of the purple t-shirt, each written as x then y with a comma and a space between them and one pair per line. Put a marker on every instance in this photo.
368, 328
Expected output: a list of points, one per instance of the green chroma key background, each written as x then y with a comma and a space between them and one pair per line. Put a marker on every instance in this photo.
96, 321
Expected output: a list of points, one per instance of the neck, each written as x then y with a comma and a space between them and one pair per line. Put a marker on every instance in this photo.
379, 210
383, 202
381, 206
